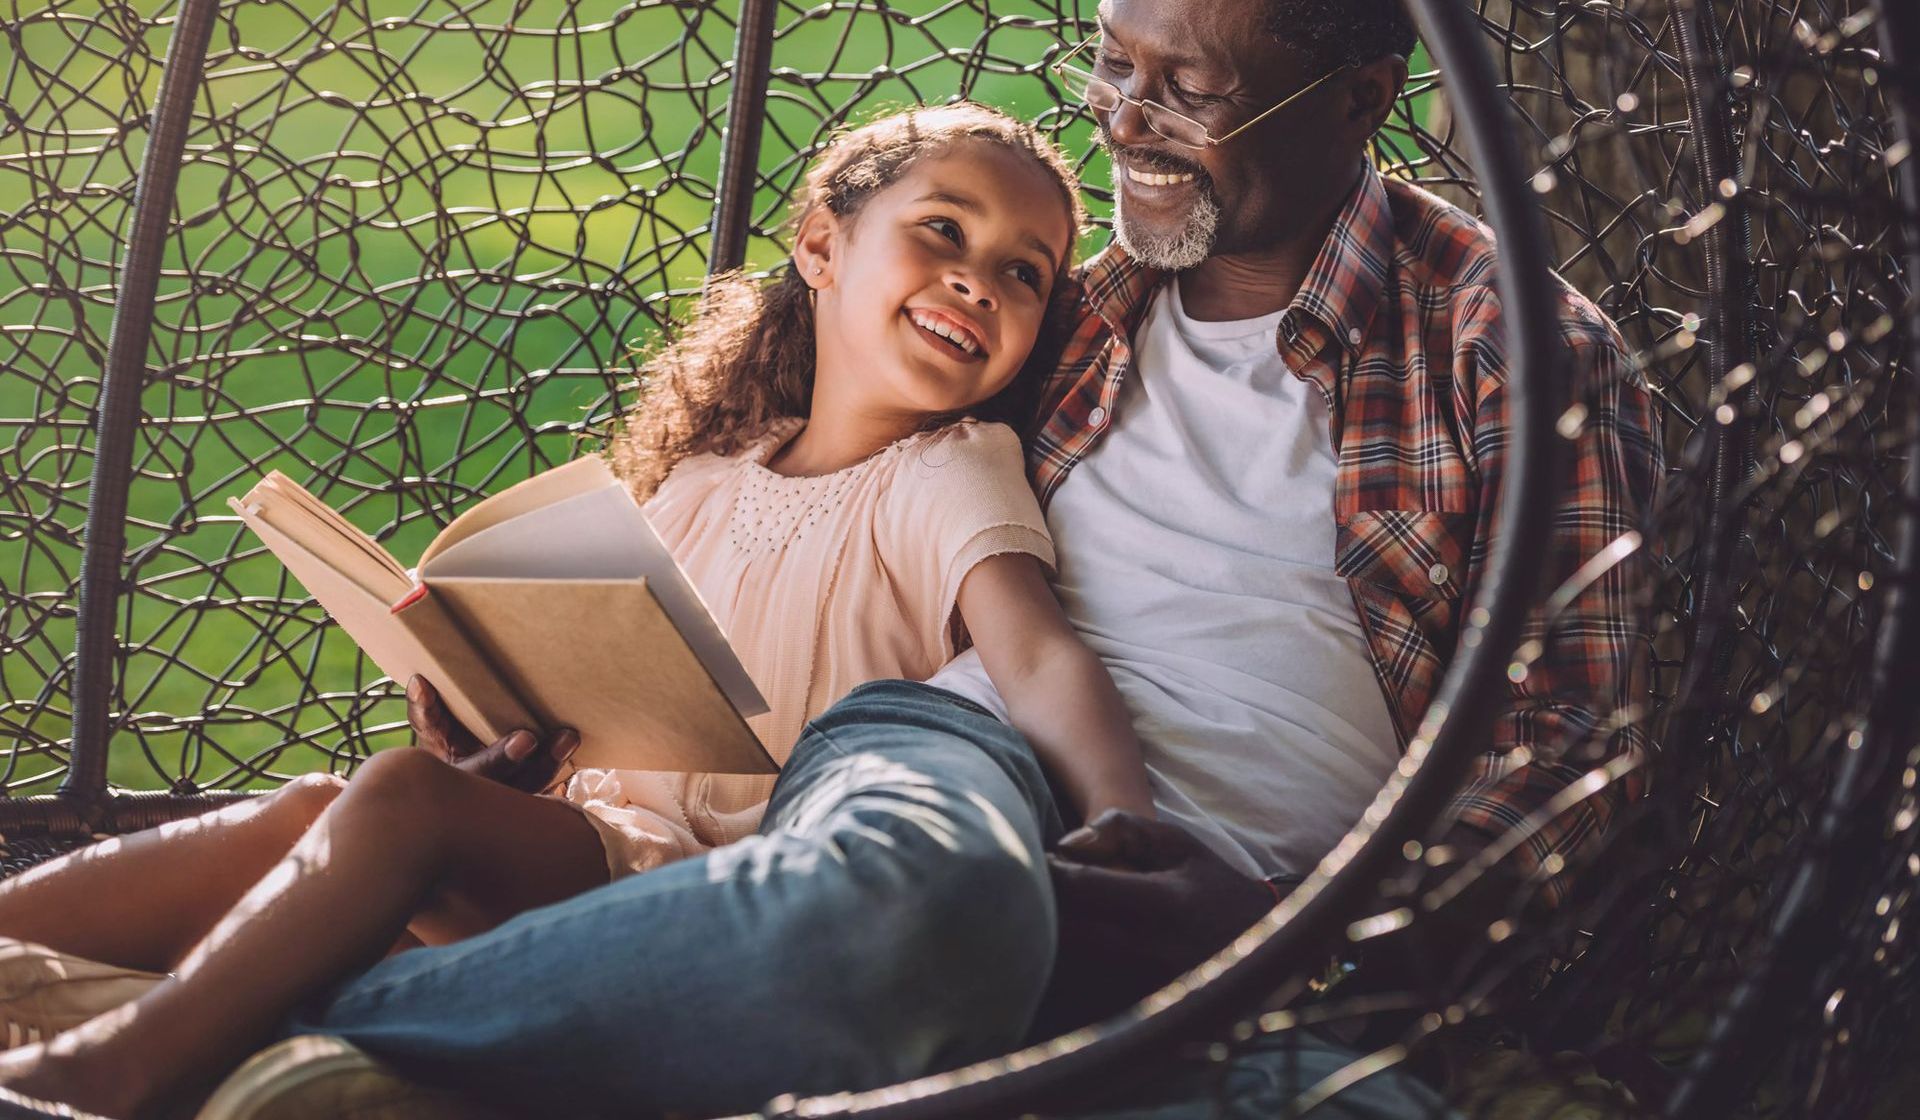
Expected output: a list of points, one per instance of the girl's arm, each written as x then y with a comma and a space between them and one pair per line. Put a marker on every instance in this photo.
1058, 693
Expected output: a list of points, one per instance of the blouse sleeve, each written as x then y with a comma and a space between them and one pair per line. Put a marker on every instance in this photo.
960, 498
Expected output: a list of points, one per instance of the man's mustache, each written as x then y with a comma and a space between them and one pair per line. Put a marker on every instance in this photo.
1149, 159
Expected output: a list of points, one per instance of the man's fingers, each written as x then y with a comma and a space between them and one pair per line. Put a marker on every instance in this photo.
517, 745
1087, 892
1120, 839
535, 769
433, 725
497, 760
522, 759
425, 735
1106, 840
428, 718
1090, 846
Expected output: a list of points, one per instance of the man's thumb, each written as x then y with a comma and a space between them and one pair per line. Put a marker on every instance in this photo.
1098, 842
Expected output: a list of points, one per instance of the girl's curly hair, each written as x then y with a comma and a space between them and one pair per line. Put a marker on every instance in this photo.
745, 358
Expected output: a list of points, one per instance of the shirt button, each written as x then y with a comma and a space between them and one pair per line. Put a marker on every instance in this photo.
1354, 336
1438, 574
1097, 417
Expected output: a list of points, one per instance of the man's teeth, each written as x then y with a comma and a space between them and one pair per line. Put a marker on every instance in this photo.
959, 338
1153, 180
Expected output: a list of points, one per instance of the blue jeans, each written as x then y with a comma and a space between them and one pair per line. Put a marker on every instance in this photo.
1271, 1077
893, 918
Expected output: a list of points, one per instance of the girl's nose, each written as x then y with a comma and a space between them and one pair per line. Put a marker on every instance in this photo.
973, 291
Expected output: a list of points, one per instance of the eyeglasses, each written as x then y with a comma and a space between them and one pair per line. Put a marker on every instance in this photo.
1103, 95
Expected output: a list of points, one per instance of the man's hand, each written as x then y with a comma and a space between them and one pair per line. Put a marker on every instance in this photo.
520, 759
1141, 901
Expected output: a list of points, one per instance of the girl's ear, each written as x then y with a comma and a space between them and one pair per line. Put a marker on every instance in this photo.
814, 243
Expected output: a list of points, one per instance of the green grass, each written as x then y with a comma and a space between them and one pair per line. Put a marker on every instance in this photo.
452, 317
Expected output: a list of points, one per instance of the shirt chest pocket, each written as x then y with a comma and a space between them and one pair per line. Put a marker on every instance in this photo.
1407, 569
1419, 555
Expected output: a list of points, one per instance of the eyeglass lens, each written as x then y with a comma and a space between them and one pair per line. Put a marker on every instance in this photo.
1104, 96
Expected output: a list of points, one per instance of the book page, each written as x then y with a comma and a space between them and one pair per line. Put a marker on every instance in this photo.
587, 473
422, 639
601, 656
597, 536
320, 531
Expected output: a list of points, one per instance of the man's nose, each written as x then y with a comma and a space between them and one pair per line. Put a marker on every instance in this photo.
973, 289
1127, 127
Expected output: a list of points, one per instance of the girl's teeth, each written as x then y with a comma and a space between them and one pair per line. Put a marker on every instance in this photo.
956, 337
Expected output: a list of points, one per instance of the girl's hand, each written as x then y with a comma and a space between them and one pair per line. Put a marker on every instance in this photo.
520, 759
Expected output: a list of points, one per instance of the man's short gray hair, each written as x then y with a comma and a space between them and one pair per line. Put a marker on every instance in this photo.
1334, 33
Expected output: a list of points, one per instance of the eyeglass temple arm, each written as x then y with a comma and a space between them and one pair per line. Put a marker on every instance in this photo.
1290, 99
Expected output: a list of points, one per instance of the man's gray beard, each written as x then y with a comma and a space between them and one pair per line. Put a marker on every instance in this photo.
1175, 252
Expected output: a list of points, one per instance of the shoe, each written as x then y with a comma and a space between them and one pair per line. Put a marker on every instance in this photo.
319, 1077
44, 991
13, 1106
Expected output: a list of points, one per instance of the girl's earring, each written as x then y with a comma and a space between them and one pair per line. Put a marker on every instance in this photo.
818, 269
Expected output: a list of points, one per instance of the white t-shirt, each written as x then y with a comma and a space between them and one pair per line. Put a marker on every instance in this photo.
1195, 552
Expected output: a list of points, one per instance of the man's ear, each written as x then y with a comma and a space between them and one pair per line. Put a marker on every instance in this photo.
814, 244
1372, 92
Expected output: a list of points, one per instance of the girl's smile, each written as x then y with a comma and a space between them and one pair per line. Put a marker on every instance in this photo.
949, 333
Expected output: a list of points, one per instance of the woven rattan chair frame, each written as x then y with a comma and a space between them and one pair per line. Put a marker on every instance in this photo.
1790, 1000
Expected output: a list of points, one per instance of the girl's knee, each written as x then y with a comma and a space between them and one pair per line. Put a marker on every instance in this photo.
404, 776
304, 798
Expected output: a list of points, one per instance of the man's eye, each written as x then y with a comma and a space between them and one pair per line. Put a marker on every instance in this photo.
1193, 98
945, 227
1112, 63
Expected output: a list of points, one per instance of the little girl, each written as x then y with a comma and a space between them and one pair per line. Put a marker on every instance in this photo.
829, 459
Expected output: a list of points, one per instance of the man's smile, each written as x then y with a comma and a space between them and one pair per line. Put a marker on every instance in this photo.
1155, 186
1151, 176
1156, 179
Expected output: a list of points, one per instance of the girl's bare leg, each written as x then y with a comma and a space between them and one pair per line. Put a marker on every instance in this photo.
145, 899
409, 833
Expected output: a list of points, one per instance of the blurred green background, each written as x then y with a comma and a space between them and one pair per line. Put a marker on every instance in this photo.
417, 247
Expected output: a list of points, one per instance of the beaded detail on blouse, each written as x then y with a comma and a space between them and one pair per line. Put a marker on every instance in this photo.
774, 511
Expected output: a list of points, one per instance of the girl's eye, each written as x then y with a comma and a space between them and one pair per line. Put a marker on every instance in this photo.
1028, 275
945, 227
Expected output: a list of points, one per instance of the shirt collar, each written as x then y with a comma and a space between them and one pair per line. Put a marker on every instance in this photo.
1342, 289
1118, 288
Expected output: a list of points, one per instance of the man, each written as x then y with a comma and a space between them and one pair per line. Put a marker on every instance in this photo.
1356, 328
1271, 467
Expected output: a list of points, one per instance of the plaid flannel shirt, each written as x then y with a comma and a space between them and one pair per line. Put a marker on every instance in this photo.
1397, 325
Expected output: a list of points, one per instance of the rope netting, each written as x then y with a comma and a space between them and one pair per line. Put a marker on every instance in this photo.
412, 253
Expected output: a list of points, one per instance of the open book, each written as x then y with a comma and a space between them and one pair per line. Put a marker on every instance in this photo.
550, 604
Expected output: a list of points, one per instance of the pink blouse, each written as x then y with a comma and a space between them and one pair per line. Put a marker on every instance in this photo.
821, 583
